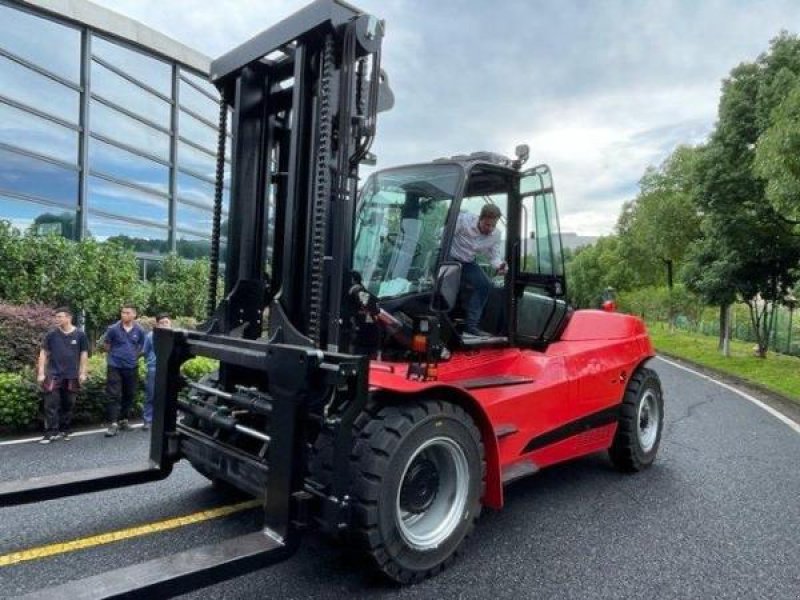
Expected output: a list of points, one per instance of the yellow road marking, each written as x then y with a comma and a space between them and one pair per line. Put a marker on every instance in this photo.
124, 534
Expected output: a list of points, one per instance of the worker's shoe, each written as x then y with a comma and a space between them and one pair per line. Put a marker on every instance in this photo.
65, 435
146, 426
47, 439
124, 425
112, 430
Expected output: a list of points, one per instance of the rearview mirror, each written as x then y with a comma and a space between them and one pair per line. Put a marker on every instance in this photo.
446, 286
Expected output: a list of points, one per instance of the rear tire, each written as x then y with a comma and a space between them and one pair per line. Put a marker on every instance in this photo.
641, 422
418, 475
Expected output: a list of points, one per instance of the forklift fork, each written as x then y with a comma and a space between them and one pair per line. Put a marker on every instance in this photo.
290, 377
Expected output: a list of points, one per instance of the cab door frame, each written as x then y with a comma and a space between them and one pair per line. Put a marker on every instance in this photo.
537, 283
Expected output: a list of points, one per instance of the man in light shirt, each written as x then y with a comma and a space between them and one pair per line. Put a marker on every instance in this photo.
474, 236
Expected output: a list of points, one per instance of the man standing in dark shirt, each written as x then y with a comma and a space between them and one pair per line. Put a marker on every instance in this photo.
61, 369
123, 342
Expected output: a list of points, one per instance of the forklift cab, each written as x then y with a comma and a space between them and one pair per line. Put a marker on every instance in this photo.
404, 227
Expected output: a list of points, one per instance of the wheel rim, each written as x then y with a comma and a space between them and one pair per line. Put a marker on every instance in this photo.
432, 493
649, 418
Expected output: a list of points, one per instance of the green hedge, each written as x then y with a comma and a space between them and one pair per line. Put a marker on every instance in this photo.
21, 402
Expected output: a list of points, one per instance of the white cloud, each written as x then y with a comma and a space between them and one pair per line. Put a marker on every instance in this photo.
599, 90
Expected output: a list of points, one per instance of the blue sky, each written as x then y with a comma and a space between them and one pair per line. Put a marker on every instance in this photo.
598, 89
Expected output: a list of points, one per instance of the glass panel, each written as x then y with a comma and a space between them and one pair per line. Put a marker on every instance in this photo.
127, 166
555, 234
148, 70
126, 130
198, 103
193, 218
197, 160
132, 235
27, 131
126, 202
44, 219
401, 218
543, 238
119, 90
193, 246
195, 190
197, 132
535, 180
201, 82
55, 47
26, 175
38, 91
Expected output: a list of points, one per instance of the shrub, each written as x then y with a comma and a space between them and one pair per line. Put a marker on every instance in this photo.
198, 367
659, 303
21, 331
19, 400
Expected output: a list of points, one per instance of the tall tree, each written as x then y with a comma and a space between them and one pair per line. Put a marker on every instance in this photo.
760, 251
659, 225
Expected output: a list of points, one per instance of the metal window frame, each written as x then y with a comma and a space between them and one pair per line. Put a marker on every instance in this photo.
35, 200
126, 183
179, 72
131, 220
144, 121
129, 78
39, 113
31, 66
31, 154
172, 216
203, 178
132, 149
127, 45
197, 87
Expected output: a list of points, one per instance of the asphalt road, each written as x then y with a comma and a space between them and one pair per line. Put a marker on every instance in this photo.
717, 516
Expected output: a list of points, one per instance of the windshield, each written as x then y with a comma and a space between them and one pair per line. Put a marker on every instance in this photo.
399, 227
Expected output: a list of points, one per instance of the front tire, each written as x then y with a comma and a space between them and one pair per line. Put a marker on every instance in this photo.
418, 477
641, 422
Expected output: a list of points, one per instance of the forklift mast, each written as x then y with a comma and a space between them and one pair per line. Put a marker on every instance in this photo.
304, 96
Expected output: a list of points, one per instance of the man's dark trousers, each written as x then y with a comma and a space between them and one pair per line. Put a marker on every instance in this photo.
59, 400
121, 388
474, 277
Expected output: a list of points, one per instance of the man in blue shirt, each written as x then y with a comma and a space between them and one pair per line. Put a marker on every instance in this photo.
123, 343
164, 322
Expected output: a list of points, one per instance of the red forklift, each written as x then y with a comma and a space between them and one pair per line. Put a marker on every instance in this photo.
349, 398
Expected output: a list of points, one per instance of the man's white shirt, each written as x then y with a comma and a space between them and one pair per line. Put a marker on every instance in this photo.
468, 241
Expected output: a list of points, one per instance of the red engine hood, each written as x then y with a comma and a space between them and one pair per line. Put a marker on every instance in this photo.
588, 325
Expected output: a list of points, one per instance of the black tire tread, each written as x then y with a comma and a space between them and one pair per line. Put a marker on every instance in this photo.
378, 432
624, 451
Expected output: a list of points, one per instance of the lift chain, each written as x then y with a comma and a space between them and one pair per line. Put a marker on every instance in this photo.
322, 193
213, 275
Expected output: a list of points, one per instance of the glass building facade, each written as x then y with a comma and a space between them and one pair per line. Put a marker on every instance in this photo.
104, 138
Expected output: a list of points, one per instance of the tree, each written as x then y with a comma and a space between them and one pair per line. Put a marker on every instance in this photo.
658, 226
778, 157
759, 252
593, 269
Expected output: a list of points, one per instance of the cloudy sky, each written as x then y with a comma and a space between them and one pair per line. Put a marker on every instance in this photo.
598, 89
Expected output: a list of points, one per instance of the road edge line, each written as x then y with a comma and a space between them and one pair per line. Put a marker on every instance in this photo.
794, 425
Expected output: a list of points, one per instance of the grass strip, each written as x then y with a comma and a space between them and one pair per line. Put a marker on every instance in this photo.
778, 372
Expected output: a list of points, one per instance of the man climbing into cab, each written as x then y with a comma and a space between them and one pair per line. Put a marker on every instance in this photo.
477, 235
